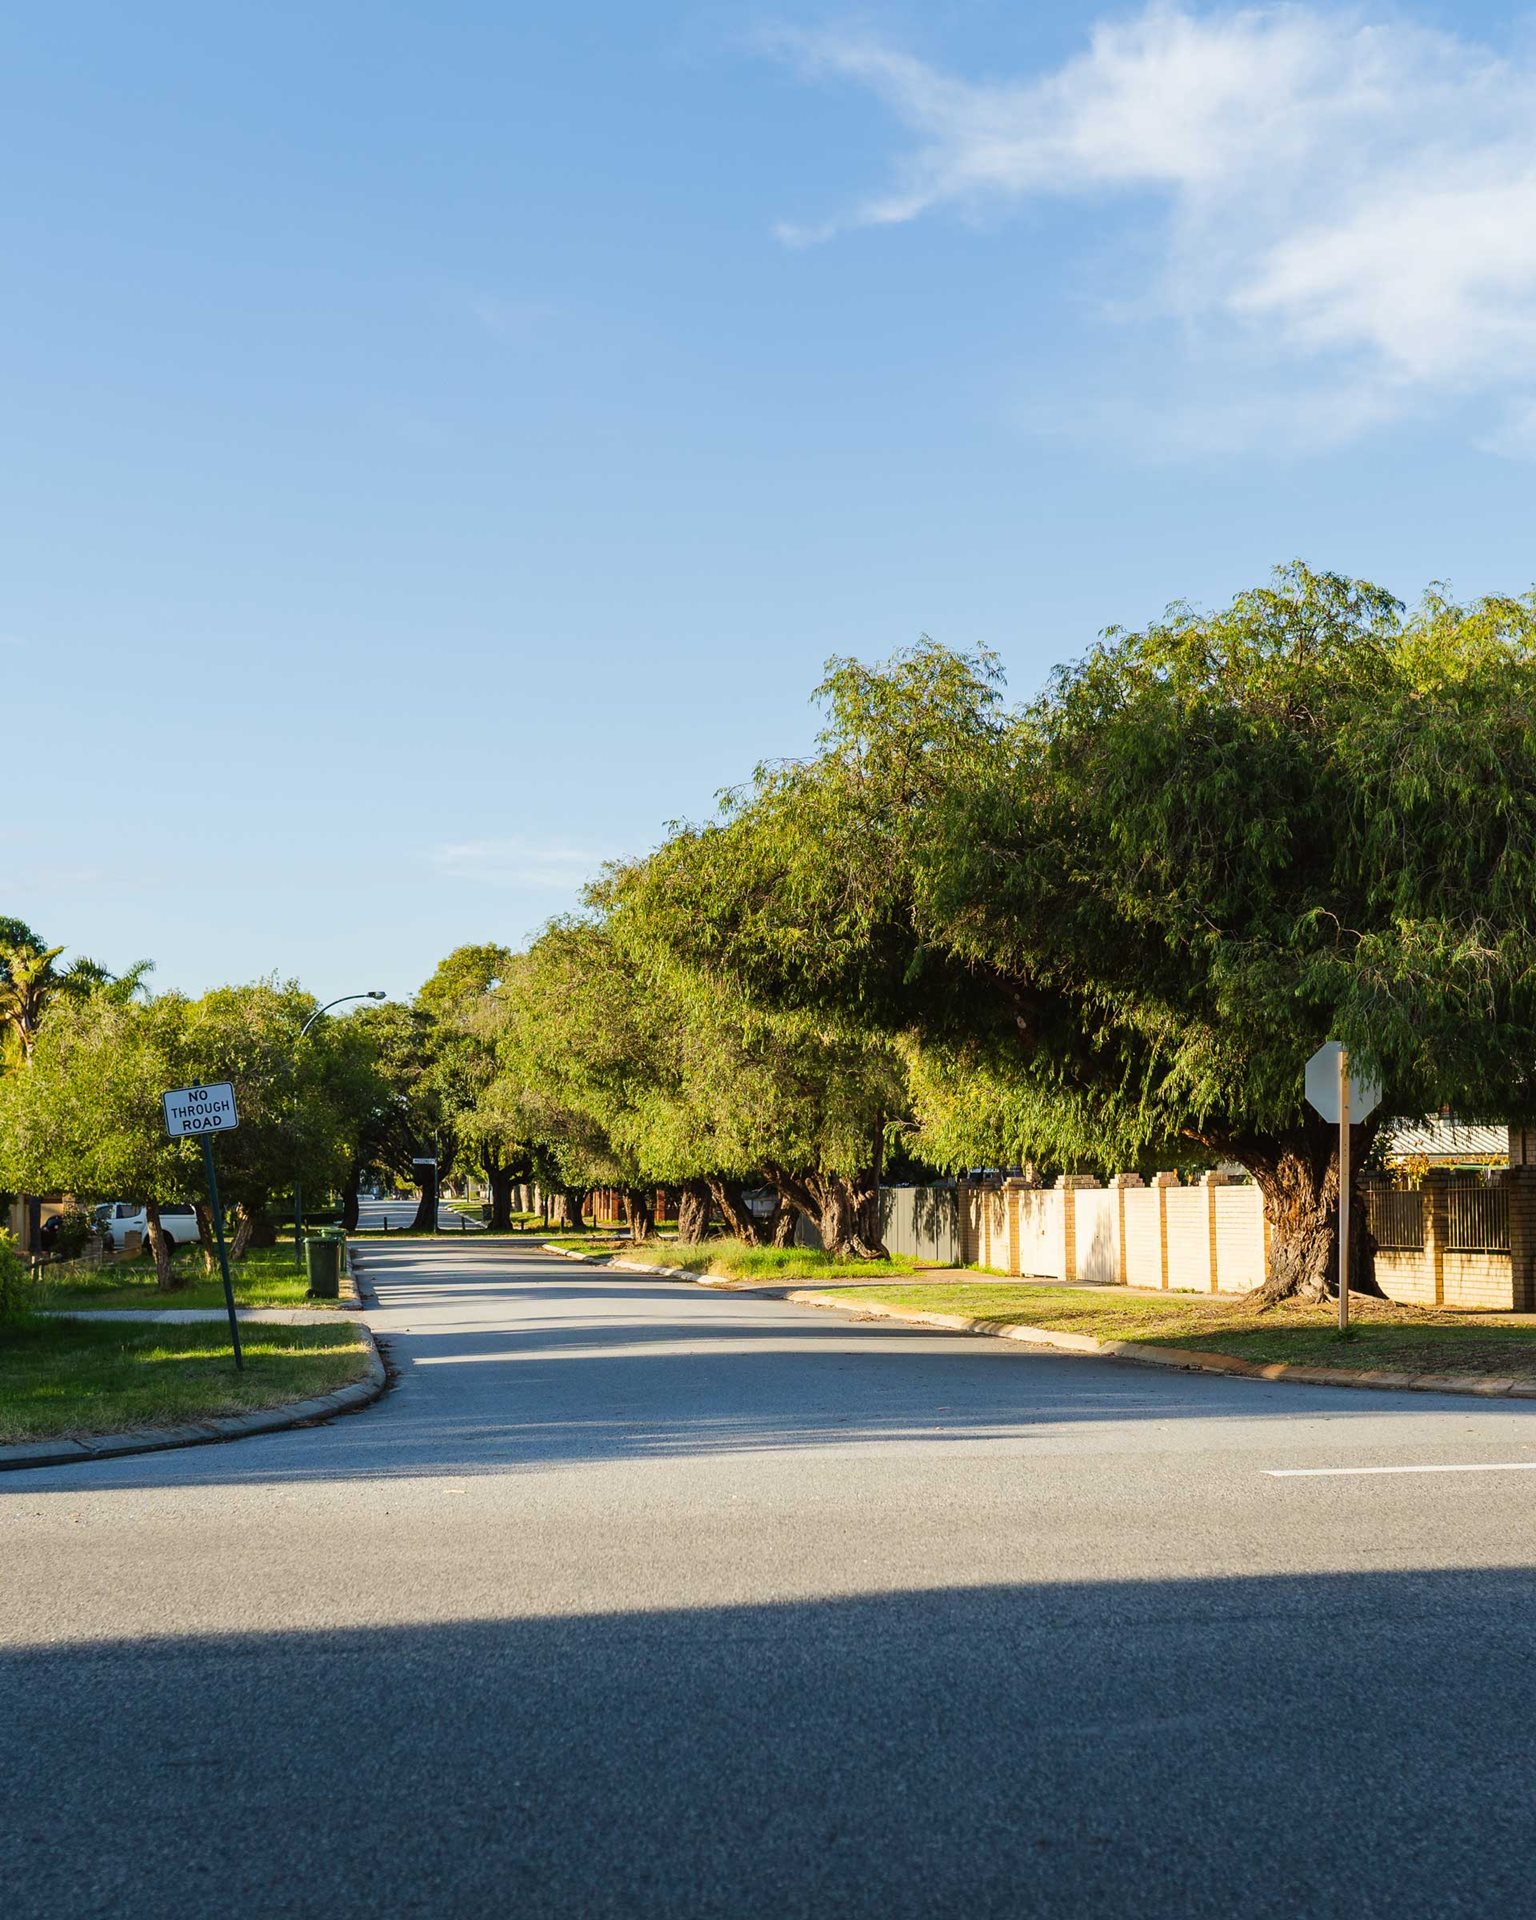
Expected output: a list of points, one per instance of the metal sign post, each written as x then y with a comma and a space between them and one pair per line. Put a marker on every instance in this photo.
205, 1111
1331, 1090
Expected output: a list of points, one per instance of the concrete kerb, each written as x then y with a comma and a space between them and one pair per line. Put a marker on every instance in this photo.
1139, 1353
1187, 1360
202, 1433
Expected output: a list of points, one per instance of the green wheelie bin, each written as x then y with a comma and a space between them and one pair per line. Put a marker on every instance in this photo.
322, 1262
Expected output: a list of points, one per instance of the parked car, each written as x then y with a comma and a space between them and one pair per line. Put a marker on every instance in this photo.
118, 1218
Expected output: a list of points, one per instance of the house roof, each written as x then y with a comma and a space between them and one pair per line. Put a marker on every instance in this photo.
1437, 1137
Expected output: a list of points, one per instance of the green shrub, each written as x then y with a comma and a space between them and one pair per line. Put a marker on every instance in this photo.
15, 1281
73, 1234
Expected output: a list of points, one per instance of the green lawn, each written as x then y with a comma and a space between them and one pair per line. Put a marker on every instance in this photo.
1385, 1336
591, 1242
266, 1277
71, 1378
731, 1260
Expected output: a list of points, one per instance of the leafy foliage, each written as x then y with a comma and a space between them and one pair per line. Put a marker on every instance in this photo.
15, 1282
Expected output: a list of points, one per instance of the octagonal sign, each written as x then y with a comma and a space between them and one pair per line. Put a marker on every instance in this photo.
1322, 1086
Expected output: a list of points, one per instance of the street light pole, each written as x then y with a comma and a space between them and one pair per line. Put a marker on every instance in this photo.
374, 993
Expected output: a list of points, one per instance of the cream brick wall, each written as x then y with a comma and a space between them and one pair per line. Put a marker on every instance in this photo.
1042, 1249
1189, 1239
1143, 1238
1037, 1249
1098, 1235
1239, 1238
1477, 1280
1407, 1278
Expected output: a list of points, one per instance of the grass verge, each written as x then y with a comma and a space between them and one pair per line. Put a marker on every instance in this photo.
731, 1260
1385, 1337
587, 1242
266, 1277
72, 1378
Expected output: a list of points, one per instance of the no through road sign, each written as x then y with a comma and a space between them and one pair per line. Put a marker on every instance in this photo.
209, 1109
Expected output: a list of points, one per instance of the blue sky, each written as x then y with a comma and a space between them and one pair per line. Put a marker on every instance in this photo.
445, 442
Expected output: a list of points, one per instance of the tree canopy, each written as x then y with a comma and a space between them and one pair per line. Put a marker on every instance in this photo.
1127, 911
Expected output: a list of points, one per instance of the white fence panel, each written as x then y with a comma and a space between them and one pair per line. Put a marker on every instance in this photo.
1042, 1233
1189, 1239
1239, 1238
1143, 1237
1097, 1215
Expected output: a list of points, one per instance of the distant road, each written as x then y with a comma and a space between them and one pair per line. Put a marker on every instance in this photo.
633, 1601
374, 1215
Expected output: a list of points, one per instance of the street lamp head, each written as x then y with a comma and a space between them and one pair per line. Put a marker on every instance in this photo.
377, 993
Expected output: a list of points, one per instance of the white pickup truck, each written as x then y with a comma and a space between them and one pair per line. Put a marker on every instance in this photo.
118, 1218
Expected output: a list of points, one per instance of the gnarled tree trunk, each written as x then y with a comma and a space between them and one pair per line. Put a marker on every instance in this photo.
739, 1218
640, 1212
1298, 1174
692, 1212
781, 1223
205, 1235
160, 1246
502, 1185
569, 1202
845, 1208
245, 1219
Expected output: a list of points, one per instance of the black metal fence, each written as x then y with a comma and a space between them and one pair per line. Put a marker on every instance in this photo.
1477, 1218
1395, 1216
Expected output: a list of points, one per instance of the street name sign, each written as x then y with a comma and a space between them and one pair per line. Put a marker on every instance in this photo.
198, 1110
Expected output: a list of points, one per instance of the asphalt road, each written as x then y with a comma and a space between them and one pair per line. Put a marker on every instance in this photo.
396, 1214
633, 1599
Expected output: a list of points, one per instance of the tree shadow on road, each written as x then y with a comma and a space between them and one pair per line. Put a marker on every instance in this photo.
1310, 1746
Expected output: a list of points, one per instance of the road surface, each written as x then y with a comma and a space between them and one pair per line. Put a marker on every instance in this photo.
399, 1212
635, 1599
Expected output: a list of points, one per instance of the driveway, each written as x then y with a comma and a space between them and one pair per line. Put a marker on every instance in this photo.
637, 1599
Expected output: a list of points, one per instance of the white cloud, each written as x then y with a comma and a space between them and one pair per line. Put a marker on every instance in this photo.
517, 862
515, 321
1356, 197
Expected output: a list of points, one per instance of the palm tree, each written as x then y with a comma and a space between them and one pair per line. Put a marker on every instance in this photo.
29, 980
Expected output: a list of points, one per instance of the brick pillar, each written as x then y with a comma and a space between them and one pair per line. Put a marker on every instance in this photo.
1163, 1181
1067, 1185
1520, 1184
1013, 1186
1436, 1232
1211, 1180
1120, 1183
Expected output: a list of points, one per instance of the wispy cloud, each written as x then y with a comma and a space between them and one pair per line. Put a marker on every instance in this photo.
517, 862
1329, 192
514, 321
